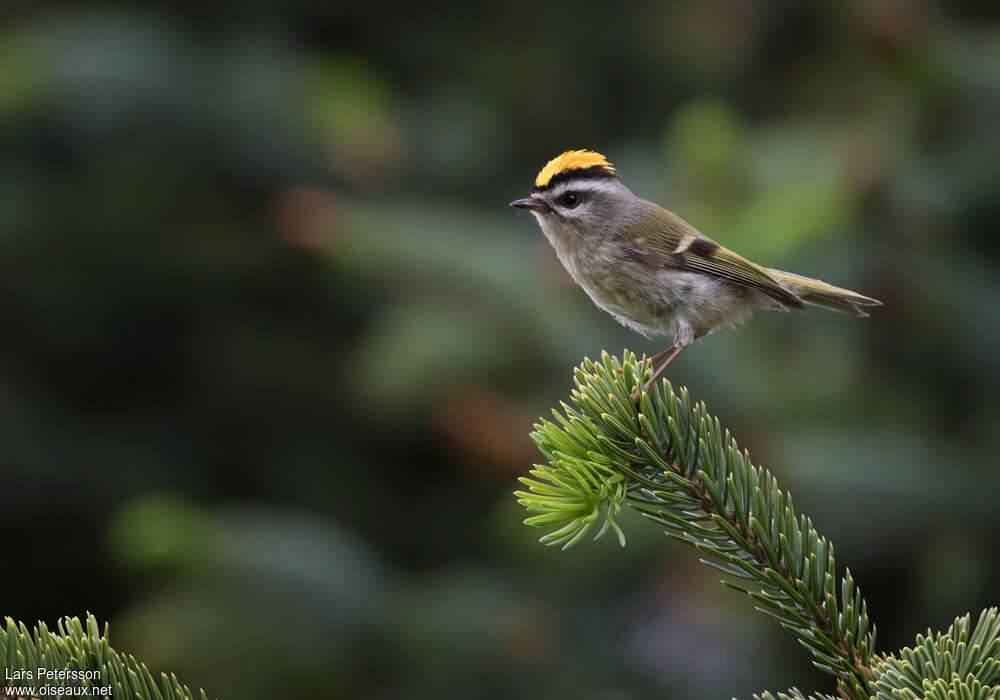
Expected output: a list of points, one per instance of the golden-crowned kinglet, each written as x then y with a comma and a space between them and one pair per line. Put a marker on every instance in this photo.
652, 270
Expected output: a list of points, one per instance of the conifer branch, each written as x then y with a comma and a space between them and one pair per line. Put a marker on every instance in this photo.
82, 649
960, 664
793, 694
672, 462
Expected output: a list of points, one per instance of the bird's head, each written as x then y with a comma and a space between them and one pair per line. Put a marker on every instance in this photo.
578, 192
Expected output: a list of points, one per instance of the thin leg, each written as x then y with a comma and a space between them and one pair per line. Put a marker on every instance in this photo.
660, 355
655, 358
669, 354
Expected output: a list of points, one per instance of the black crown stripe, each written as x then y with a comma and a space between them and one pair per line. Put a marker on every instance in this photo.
591, 173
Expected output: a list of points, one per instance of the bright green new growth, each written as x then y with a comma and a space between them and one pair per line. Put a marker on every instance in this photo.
672, 461
74, 647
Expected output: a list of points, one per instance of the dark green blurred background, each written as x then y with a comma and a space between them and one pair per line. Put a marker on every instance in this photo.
271, 341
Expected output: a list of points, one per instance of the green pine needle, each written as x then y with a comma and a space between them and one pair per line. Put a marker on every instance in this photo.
672, 461
75, 646
960, 664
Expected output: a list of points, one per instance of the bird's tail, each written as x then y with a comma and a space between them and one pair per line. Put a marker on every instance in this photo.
822, 294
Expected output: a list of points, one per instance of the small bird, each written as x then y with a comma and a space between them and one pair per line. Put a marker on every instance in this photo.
650, 269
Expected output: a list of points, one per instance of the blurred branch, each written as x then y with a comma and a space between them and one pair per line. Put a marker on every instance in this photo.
674, 463
79, 650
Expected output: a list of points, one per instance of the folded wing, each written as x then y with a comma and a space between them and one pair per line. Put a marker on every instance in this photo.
666, 240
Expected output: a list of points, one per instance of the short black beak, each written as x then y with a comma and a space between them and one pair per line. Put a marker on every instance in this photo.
529, 203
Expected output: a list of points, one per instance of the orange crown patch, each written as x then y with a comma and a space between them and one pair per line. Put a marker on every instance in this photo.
572, 160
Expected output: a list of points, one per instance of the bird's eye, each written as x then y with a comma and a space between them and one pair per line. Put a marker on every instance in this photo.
570, 199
